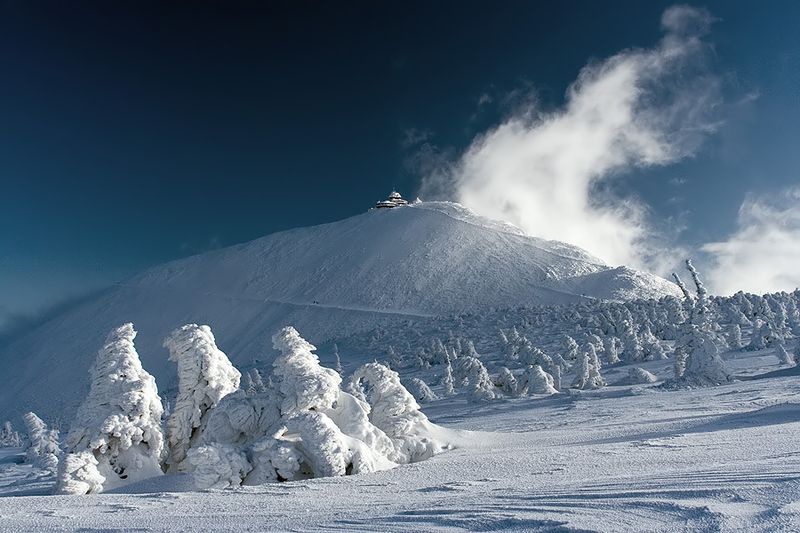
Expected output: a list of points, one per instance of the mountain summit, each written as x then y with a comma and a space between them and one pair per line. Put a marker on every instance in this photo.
385, 265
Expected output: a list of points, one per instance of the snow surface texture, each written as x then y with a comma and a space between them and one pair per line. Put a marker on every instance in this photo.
380, 268
632, 458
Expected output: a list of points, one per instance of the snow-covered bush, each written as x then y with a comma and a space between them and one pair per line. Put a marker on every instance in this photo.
698, 362
117, 433
638, 376
448, 383
205, 376
9, 437
218, 466
43, 449
536, 381
421, 391
473, 374
506, 382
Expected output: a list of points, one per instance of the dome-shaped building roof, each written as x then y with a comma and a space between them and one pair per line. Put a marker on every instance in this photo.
394, 200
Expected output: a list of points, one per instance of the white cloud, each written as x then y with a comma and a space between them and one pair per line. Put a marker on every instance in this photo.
550, 172
413, 137
763, 255
485, 99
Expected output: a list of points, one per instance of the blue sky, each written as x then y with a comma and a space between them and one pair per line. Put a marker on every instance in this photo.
134, 133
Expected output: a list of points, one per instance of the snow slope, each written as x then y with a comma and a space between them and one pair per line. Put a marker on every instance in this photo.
632, 458
378, 268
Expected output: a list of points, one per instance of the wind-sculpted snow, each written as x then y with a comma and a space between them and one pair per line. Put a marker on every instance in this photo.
707, 451
394, 411
205, 376
305, 426
377, 269
43, 448
633, 458
116, 437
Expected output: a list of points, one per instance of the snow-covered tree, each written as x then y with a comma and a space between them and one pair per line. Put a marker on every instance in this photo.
702, 293
631, 345
422, 359
421, 391
587, 375
506, 382
255, 383
448, 383
682, 286
10, 437
783, 355
474, 375
43, 448
306, 426
205, 376
536, 381
610, 350
532, 355
338, 360
117, 433
653, 350
557, 377
302, 382
762, 336
394, 411
735, 337
595, 341
698, 362
570, 348
468, 349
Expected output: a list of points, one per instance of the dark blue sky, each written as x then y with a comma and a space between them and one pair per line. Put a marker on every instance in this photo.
132, 132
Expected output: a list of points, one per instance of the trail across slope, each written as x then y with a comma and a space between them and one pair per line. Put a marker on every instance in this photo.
372, 270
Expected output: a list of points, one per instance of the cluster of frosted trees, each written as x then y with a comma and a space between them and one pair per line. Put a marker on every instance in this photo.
9, 436
299, 424
547, 349
41, 443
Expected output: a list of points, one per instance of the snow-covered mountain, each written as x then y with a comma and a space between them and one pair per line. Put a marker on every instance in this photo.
380, 267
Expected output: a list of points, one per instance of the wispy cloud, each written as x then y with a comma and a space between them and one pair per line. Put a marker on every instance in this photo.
415, 137
550, 172
485, 99
763, 254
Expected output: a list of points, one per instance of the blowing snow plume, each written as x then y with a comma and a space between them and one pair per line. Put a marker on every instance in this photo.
763, 253
549, 173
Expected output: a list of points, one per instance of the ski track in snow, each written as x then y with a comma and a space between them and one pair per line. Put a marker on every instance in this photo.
618, 459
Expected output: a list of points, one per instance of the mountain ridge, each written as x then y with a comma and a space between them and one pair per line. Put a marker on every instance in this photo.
373, 269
